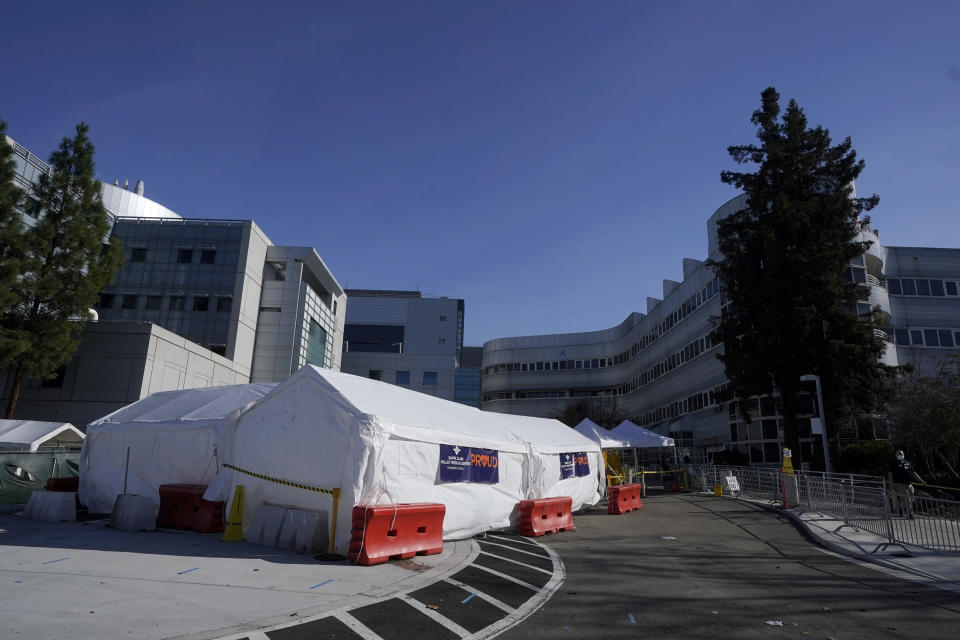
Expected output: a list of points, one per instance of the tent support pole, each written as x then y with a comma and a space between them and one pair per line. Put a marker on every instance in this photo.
333, 520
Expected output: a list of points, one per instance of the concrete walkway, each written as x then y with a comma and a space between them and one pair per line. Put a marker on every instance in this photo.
934, 568
83, 580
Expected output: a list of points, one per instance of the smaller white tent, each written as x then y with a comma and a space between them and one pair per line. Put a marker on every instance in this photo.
640, 437
173, 437
381, 444
550, 441
604, 437
30, 435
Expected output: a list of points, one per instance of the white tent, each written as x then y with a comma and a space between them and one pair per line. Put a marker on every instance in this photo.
380, 444
30, 435
550, 441
604, 437
640, 437
173, 437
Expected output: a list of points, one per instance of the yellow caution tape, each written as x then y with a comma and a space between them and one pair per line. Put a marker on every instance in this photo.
286, 483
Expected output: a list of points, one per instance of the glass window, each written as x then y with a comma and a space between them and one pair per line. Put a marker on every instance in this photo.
219, 349
916, 337
909, 289
129, 302
176, 303
441, 341
403, 377
903, 338
936, 287
106, 301
224, 304
153, 303
951, 288
893, 286
429, 378
375, 374
138, 254
946, 340
185, 256
201, 303
208, 256
316, 344
930, 338
860, 275
923, 287
956, 338
443, 318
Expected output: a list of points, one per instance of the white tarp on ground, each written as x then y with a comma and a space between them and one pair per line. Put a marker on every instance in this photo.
173, 436
604, 437
379, 443
642, 438
30, 435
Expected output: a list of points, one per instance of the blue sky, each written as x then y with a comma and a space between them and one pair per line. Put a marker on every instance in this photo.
549, 162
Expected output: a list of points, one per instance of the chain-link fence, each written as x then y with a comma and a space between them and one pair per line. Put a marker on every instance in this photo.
857, 501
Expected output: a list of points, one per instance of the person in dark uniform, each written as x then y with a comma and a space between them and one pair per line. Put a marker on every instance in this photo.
901, 476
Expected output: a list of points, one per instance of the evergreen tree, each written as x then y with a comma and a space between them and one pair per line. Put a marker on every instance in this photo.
10, 225
783, 258
64, 263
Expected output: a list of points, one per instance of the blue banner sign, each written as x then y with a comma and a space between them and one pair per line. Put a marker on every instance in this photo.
469, 464
574, 465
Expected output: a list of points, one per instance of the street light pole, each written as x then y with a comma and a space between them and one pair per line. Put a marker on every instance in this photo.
823, 421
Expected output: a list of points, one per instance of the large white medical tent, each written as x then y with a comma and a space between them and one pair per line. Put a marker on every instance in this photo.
640, 437
378, 444
553, 470
172, 437
31, 435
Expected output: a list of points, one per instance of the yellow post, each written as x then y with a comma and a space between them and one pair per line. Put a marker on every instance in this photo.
233, 527
333, 520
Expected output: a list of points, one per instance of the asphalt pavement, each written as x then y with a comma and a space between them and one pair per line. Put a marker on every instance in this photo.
695, 566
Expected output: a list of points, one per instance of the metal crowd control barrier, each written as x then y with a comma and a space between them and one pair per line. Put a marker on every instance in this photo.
857, 501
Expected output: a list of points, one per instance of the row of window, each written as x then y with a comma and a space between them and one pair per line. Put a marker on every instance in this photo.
671, 362
911, 337
678, 314
922, 287
184, 256
677, 408
403, 377
174, 303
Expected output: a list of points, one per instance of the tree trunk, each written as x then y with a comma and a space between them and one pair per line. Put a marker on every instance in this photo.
791, 439
14, 391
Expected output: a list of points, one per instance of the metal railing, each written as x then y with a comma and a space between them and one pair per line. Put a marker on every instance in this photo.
857, 501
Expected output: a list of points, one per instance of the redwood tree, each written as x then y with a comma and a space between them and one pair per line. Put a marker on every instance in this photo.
782, 263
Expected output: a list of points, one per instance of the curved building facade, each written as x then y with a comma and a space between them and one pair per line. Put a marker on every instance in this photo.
661, 367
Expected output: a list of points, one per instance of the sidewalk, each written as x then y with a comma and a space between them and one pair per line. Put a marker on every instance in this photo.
86, 580
934, 568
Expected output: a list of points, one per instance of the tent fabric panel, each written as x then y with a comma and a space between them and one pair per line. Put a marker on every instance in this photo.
156, 458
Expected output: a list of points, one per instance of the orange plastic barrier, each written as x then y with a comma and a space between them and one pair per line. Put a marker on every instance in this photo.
63, 484
389, 532
624, 499
545, 515
182, 507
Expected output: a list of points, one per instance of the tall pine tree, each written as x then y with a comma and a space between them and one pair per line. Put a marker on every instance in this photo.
64, 263
783, 257
10, 226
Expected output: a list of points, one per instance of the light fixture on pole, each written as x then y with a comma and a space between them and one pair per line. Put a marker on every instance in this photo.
818, 424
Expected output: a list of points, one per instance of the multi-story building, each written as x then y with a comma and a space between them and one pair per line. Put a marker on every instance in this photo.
403, 338
198, 302
661, 367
